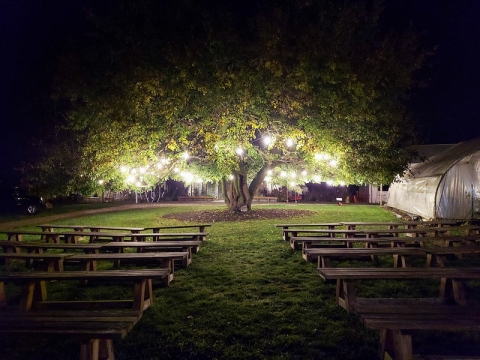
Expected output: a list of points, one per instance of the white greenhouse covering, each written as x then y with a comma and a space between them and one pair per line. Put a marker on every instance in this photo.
445, 186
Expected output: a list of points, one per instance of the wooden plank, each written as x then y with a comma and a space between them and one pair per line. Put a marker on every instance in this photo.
77, 305
128, 256
422, 322
398, 253
399, 273
286, 226
87, 330
106, 275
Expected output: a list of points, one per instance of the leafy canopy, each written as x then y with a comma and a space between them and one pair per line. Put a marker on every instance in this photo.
269, 88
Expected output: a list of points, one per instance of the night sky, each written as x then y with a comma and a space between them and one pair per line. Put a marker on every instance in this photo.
33, 33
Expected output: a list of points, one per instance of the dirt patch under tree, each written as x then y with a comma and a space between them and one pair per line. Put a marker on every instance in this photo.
210, 216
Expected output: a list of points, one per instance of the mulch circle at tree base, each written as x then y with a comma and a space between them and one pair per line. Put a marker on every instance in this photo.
209, 216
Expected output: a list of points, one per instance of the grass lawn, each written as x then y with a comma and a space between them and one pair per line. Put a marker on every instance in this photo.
247, 295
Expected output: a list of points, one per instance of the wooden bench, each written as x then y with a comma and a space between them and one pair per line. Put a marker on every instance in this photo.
17, 235
396, 319
352, 225
166, 259
71, 237
457, 240
141, 246
40, 247
308, 242
94, 236
325, 255
52, 261
34, 289
95, 330
285, 227
159, 236
196, 198
438, 255
415, 232
451, 284
265, 198
157, 229
464, 229
91, 228
318, 234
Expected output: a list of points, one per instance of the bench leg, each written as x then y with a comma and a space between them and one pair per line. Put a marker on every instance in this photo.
400, 261
395, 344
142, 294
32, 292
452, 288
345, 295
324, 262
97, 349
3, 297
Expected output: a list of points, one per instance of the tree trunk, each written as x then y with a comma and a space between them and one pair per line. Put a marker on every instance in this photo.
237, 193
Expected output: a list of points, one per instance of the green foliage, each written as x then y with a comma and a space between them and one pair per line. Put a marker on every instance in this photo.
203, 77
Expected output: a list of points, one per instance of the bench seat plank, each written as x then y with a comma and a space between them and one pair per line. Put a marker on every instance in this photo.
166, 259
95, 331
396, 321
325, 254
451, 280
34, 284
53, 261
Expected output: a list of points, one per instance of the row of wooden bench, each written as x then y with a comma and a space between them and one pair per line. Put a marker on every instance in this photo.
394, 317
212, 198
196, 198
95, 233
95, 324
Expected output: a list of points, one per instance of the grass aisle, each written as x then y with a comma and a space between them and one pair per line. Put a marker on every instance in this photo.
247, 295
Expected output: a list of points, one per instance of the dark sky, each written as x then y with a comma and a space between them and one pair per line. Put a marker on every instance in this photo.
33, 32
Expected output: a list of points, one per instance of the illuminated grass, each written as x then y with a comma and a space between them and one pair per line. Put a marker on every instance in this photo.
247, 295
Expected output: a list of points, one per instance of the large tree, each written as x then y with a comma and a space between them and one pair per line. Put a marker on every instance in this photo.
286, 91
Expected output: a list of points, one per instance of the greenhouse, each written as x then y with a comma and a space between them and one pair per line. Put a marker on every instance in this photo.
444, 186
